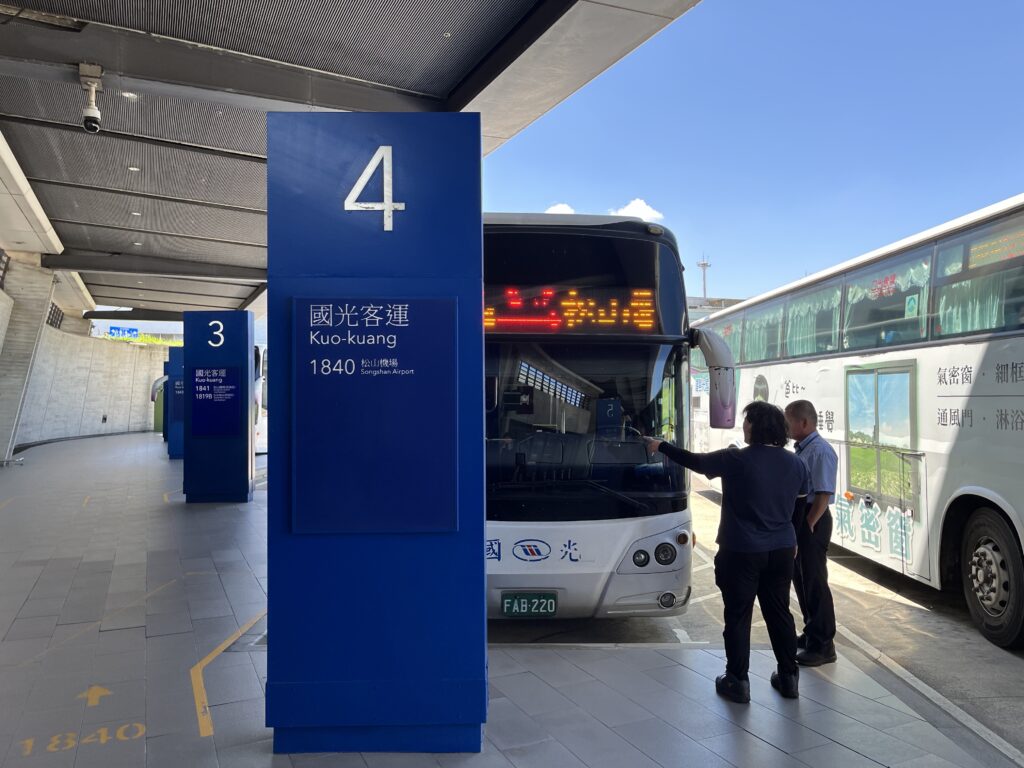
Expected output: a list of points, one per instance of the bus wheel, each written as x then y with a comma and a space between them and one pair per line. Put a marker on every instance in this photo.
993, 578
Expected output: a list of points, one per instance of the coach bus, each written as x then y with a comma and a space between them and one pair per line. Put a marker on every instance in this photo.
586, 351
913, 355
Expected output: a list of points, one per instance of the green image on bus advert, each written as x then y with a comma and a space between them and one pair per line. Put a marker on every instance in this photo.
911, 305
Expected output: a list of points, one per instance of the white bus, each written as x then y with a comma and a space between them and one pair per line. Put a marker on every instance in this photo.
913, 355
587, 348
261, 436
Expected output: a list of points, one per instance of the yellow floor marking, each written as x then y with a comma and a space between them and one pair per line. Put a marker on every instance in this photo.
86, 502
93, 694
167, 499
199, 688
91, 625
5, 502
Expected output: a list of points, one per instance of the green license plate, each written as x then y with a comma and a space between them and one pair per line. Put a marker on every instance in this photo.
528, 604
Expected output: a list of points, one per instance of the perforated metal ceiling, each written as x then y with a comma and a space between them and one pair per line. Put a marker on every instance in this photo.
423, 46
58, 154
186, 121
164, 293
178, 171
146, 214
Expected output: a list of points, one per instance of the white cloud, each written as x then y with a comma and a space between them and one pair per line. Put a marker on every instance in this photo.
560, 208
639, 208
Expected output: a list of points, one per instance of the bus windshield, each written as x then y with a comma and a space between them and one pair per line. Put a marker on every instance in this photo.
564, 427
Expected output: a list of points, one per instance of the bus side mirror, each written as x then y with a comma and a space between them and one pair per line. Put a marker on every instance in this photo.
721, 377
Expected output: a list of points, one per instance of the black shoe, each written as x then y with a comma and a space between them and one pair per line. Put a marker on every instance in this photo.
733, 688
801, 642
788, 684
815, 658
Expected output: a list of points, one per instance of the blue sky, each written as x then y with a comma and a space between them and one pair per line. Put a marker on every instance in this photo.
781, 138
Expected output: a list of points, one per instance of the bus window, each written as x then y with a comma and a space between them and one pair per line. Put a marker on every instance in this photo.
980, 281
812, 322
762, 333
729, 330
880, 431
887, 303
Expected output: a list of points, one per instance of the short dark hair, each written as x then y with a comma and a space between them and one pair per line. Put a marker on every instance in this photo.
767, 424
803, 409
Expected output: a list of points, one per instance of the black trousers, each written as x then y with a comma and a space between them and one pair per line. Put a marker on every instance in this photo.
810, 580
742, 576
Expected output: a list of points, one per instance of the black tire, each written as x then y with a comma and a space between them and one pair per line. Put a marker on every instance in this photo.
1002, 621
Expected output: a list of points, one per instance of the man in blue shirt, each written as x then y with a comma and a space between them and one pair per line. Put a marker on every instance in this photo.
813, 532
761, 484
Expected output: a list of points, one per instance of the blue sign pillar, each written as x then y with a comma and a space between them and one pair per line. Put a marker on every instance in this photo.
220, 404
377, 615
175, 419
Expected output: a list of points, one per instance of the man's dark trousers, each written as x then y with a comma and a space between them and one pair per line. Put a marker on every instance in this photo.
742, 576
810, 580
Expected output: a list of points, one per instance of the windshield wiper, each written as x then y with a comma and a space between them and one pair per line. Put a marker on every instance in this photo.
634, 503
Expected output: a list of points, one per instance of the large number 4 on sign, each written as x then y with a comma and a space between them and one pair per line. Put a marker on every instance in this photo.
388, 205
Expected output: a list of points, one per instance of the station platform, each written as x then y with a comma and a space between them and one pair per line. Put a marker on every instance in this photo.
133, 624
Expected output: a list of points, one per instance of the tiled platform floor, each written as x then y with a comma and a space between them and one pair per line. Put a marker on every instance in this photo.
111, 589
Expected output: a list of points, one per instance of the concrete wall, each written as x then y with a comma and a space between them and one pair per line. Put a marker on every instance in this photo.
31, 288
76, 325
6, 305
76, 381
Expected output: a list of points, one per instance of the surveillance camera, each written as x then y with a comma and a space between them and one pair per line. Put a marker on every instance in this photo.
89, 75
91, 119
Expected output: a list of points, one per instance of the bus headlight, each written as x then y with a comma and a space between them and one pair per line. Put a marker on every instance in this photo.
665, 554
641, 558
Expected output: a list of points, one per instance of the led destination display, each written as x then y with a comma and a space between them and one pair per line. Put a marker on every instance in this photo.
567, 309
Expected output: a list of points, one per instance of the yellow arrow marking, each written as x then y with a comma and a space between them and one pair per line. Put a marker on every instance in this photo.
93, 695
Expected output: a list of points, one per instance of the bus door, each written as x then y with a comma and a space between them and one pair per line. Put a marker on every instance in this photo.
881, 513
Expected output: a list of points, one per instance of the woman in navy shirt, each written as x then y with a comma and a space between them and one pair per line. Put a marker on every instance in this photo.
761, 484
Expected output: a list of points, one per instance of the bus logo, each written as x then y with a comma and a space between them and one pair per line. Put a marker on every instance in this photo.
531, 550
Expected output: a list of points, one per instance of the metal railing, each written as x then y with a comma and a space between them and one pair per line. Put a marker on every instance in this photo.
5, 262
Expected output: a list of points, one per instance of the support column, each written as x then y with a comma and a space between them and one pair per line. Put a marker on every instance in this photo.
31, 288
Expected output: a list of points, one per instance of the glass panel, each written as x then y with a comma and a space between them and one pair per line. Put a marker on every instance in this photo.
697, 360
894, 409
565, 440
762, 333
729, 329
894, 432
1000, 242
860, 407
812, 322
533, 284
951, 260
990, 302
991, 297
886, 304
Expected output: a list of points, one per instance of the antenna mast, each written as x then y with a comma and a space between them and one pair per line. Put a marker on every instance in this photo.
703, 265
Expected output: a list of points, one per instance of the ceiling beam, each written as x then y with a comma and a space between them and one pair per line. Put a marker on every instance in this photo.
144, 63
158, 232
38, 181
515, 44
133, 314
75, 128
260, 289
157, 266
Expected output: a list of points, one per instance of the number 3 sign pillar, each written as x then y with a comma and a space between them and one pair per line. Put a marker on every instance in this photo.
377, 614
220, 407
